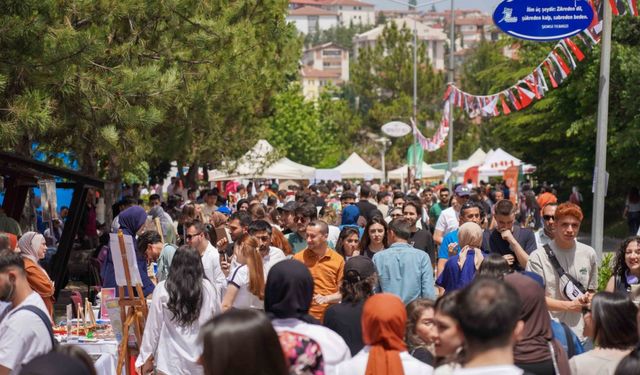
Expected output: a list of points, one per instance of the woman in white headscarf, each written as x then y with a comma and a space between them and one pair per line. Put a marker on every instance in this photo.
33, 247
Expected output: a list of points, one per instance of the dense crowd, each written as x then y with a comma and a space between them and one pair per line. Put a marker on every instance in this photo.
337, 278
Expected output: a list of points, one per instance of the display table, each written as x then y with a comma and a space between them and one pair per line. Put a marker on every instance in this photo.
106, 349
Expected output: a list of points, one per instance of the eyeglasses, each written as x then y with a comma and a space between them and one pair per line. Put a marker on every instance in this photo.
189, 237
548, 217
300, 219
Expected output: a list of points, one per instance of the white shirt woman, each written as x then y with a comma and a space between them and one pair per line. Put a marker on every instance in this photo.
174, 345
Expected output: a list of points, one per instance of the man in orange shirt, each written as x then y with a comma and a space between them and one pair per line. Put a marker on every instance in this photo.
326, 267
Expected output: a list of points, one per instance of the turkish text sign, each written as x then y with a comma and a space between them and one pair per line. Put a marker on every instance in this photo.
543, 20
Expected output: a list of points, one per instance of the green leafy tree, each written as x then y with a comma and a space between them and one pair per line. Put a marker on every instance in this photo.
312, 133
121, 84
382, 82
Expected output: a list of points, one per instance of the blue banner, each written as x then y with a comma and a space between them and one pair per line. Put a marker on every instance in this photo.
543, 20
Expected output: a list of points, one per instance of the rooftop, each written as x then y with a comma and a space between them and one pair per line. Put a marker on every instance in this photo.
324, 46
311, 11
425, 32
346, 2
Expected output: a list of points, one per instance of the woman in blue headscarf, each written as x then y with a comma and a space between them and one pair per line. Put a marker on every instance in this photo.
131, 222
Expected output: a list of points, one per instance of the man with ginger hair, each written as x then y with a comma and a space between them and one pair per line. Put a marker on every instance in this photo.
569, 269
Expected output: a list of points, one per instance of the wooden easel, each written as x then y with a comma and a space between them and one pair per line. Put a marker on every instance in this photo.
133, 311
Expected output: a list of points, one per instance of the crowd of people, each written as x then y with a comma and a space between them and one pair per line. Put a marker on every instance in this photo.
336, 278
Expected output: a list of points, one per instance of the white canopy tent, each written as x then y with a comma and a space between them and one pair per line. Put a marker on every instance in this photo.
427, 172
476, 159
498, 161
260, 162
288, 169
356, 167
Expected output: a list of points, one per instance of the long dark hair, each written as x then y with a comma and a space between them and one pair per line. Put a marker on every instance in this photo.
629, 364
494, 266
366, 240
184, 285
344, 234
619, 265
415, 309
241, 342
614, 320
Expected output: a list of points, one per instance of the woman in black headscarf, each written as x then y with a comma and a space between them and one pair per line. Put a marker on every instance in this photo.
288, 295
536, 352
131, 222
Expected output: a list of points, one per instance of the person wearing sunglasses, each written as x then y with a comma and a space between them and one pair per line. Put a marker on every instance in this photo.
196, 237
544, 235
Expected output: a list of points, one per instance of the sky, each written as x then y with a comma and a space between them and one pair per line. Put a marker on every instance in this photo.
484, 5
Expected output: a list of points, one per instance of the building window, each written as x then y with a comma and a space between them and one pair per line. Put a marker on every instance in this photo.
331, 52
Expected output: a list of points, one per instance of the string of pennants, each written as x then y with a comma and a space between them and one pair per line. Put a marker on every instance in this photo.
549, 74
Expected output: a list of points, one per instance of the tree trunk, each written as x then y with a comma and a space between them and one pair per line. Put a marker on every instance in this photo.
192, 176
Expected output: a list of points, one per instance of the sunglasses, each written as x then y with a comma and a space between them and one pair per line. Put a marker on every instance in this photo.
189, 237
548, 217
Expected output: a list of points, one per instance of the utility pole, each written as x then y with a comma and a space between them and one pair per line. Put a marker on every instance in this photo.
452, 49
414, 158
600, 177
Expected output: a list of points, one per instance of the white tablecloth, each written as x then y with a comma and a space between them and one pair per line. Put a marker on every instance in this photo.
108, 350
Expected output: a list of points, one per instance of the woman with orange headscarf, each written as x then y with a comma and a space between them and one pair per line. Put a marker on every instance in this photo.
383, 323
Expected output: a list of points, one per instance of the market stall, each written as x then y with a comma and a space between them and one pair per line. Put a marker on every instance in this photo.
356, 168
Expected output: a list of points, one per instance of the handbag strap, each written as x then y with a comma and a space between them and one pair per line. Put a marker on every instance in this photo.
560, 270
45, 319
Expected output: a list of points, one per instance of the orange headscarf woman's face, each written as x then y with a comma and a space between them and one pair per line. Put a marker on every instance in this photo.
383, 324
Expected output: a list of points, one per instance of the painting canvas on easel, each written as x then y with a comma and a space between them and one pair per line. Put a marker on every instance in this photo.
114, 245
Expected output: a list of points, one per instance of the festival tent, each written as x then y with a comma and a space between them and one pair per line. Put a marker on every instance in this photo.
427, 172
288, 169
498, 161
476, 159
356, 167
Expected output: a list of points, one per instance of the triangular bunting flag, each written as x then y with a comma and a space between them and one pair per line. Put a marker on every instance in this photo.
526, 96
505, 107
614, 7
574, 48
551, 73
446, 94
633, 6
514, 100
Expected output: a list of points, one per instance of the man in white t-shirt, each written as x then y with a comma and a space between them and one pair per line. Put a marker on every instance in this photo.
271, 255
578, 260
488, 311
24, 334
449, 218
196, 237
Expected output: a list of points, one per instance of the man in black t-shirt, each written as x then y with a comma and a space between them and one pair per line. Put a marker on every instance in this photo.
420, 238
363, 204
508, 239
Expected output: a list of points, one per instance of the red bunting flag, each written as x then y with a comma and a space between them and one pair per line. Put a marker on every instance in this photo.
554, 84
560, 61
446, 94
505, 107
526, 96
529, 82
614, 8
574, 48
